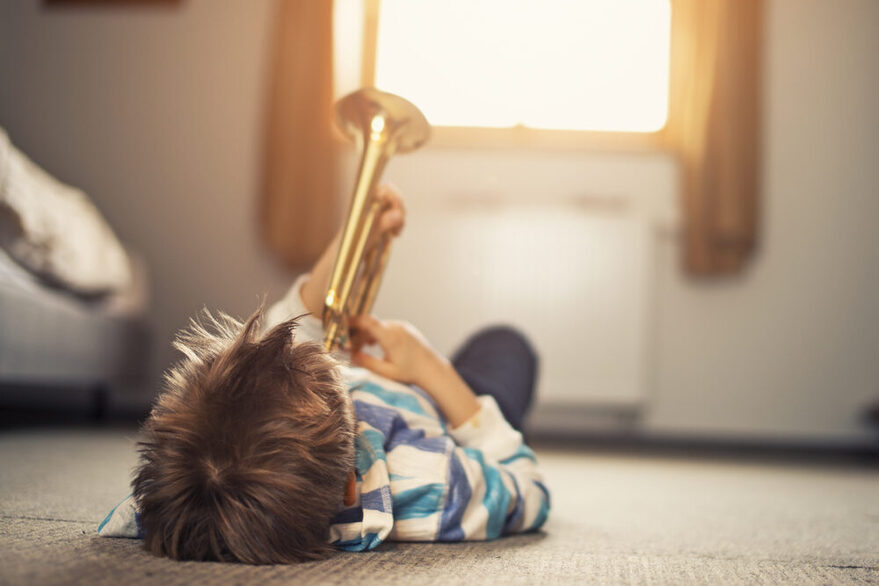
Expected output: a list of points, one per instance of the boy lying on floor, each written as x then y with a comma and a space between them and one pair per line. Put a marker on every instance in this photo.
263, 449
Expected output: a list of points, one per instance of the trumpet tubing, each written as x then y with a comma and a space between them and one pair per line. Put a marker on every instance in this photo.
382, 124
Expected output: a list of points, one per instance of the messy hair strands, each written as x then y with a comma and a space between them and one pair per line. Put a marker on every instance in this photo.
246, 453
204, 340
209, 335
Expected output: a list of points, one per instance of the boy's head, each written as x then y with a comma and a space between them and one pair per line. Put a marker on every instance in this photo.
246, 453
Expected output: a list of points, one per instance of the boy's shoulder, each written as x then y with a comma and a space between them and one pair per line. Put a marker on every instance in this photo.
373, 394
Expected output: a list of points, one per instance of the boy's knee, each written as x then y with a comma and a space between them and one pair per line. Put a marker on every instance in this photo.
509, 339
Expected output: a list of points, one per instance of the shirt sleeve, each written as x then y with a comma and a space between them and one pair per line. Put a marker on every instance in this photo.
310, 327
495, 487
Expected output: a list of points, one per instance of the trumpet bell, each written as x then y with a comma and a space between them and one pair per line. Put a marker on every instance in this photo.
370, 111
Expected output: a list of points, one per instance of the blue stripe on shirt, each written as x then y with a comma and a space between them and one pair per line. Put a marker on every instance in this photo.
459, 494
543, 513
392, 398
377, 500
523, 452
497, 497
403, 436
368, 448
393, 430
110, 514
419, 502
365, 542
378, 417
518, 509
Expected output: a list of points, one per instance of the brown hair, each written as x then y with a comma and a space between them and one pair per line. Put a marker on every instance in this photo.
247, 450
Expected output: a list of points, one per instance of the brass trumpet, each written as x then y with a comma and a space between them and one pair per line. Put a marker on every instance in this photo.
382, 124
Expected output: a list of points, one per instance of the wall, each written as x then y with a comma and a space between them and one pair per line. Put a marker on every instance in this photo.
157, 113
792, 348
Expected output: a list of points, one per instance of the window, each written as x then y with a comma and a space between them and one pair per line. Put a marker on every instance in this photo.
713, 98
595, 65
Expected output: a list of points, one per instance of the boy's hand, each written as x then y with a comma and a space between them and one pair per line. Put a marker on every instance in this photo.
393, 217
409, 358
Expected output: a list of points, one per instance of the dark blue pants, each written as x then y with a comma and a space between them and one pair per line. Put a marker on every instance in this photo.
499, 361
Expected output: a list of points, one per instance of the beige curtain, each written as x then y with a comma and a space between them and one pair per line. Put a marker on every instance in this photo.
299, 208
714, 127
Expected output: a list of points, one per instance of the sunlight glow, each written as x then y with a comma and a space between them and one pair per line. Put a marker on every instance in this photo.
563, 64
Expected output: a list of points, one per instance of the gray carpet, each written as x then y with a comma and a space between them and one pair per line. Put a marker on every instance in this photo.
616, 519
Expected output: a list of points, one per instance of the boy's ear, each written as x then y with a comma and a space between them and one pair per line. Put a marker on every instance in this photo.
351, 490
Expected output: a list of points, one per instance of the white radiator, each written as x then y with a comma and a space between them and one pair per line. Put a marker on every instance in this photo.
560, 246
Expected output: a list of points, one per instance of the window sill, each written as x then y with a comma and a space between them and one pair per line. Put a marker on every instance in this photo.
520, 137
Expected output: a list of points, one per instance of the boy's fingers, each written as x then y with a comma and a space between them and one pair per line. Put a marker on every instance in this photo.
374, 364
391, 221
394, 212
369, 326
389, 194
374, 329
360, 337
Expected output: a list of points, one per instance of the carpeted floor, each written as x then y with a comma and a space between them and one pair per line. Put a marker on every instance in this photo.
617, 518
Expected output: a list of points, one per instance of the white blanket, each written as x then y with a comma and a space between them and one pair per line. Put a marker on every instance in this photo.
53, 229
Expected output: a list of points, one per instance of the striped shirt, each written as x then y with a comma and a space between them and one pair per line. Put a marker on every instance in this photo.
417, 478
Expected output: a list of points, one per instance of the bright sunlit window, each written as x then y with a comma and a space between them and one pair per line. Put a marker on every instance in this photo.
556, 64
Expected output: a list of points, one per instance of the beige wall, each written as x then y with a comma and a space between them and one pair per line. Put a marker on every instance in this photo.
157, 114
792, 349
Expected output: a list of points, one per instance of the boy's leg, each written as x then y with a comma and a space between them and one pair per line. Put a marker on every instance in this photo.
499, 361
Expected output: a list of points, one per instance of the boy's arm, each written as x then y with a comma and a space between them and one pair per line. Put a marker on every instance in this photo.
500, 475
310, 327
390, 222
494, 484
409, 358
306, 296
